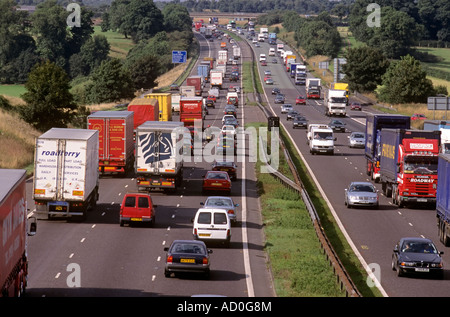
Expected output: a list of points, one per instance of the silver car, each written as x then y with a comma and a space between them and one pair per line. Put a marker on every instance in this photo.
222, 202
357, 139
361, 194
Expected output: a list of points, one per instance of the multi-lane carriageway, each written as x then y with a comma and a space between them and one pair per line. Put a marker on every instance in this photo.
129, 261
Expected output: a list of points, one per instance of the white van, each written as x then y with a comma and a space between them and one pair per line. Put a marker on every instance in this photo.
212, 224
320, 139
262, 57
272, 51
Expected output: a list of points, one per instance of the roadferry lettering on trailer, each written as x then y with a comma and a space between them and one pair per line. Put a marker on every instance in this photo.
60, 153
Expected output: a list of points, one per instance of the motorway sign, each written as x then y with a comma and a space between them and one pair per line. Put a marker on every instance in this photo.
179, 57
438, 103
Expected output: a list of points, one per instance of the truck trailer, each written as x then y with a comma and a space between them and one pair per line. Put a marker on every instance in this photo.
336, 102
66, 172
313, 88
14, 228
158, 163
408, 165
116, 144
443, 199
375, 123
145, 109
444, 127
192, 111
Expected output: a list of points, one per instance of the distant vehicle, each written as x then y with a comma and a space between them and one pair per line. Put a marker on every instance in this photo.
212, 225
137, 208
417, 256
229, 129
174, 87
267, 72
231, 121
269, 81
361, 194
357, 139
279, 98
187, 256
212, 97
291, 114
230, 109
276, 91
227, 116
216, 180
286, 108
264, 63
299, 122
222, 202
274, 61
355, 106
300, 100
337, 125
418, 116
227, 166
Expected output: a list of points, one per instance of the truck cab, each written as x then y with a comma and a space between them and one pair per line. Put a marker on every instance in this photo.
320, 139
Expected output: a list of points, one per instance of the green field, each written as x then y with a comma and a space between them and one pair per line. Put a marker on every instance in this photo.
120, 45
12, 90
440, 69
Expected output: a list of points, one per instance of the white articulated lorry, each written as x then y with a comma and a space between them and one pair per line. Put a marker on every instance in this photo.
159, 164
66, 173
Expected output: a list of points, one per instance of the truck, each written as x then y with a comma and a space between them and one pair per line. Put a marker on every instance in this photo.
320, 138
272, 38
214, 92
261, 37
264, 31
340, 86
280, 47
375, 123
176, 103
208, 32
300, 75
145, 109
165, 104
443, 199
15, 228
408, 165
186, 91
232, 98
236, 52
222, 58
335, 102
196, 82
216, 77
293, 69
66, 173
444, 127
313, 88
203, 71
192, 111
289, 56
158, 163
198, 25
116, 144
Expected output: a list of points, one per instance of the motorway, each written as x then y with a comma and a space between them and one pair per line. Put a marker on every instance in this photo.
371, 233
97, 257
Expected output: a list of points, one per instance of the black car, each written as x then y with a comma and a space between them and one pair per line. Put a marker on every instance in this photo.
276, 91
417, 256
187, 256
291, 114
300, 122
230, 109
337, 125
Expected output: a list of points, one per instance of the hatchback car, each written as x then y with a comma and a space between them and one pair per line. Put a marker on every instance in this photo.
300, 122
137, 208
417, 256
361, 194
222, 202
230, 109
355, 106
226, 166
212, 224
187, 256
357, 139
337, 125
286, 108
216, 181
300, 100
418, 116
269, 81
229, 130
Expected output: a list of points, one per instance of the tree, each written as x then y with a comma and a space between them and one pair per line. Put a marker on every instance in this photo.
364, 68
144, 71
110, 82
405, 81
318, 38
176, 18
49, 102
92, 53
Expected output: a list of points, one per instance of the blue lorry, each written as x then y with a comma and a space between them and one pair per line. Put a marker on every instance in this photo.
443, 199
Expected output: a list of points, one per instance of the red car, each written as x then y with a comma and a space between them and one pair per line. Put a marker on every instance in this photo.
300, 100
212, 97
355, 106
418, 116
263, 63
137, 208
216, 180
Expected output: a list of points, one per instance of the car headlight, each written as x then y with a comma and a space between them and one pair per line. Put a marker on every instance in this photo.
436, 265
407, 264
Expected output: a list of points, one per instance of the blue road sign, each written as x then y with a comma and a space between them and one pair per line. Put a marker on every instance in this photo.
179, 57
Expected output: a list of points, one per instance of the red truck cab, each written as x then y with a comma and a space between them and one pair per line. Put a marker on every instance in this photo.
137, 208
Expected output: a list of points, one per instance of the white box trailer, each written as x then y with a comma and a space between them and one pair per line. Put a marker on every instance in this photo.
66, 172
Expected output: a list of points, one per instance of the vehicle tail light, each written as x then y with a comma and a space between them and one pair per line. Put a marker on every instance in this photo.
228, 233
231, 211
205, 260
169, 259
195, 231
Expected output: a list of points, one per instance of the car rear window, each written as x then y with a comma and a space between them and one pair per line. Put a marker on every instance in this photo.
220, 219
130, 201
143, 202
204, 218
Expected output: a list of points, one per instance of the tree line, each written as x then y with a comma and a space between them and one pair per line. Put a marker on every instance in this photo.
41, 51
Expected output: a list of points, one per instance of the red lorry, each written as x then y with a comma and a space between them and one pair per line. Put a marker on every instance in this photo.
195, 81
116, 145
145, 109
13, 226
191, 111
